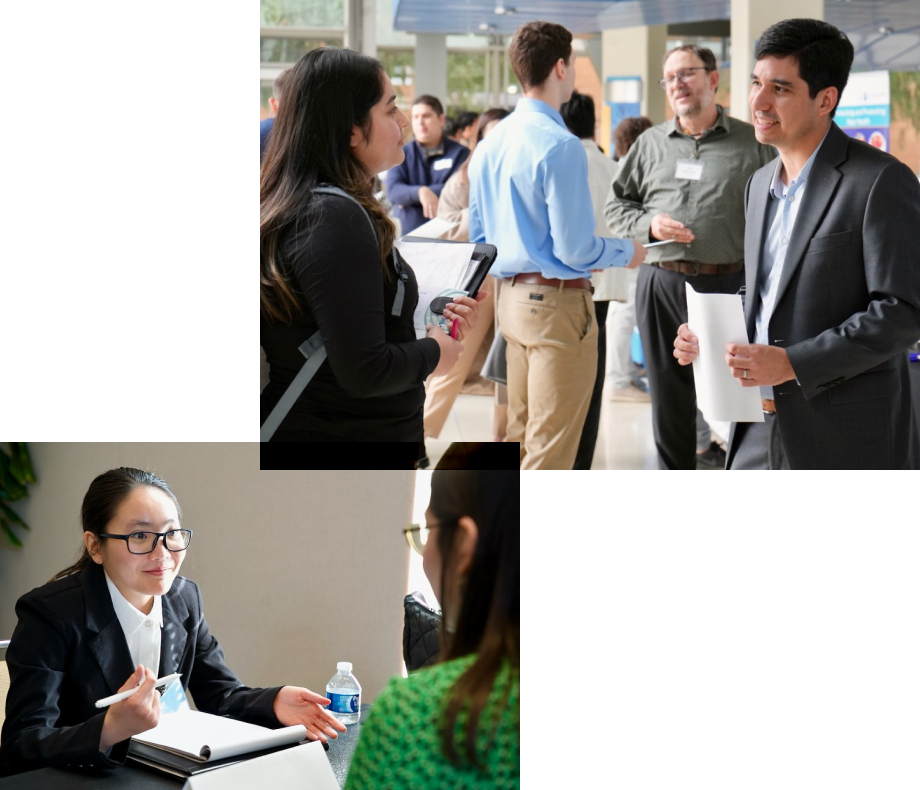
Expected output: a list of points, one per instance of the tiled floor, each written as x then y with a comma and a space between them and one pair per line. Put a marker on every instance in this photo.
624, 440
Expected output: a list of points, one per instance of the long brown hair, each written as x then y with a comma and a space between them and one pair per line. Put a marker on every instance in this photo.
102, 499
328, 93
488, 622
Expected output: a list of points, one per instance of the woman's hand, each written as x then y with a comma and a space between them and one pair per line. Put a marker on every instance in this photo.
295, 705
463, 311
139, 713
450, 350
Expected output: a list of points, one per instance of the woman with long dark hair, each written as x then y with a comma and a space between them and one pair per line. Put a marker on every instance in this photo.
328, 262
456, 724
119, 618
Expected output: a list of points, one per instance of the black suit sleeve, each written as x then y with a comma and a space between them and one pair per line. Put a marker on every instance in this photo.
37, 661
216, 688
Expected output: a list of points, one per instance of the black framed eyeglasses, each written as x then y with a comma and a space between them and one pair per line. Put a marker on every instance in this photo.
145, 542
682, 76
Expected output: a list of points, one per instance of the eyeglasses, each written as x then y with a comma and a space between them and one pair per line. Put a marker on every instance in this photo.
683, 76
417, 536
146, 542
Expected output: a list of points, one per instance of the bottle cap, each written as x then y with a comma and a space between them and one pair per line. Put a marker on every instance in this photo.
343, 666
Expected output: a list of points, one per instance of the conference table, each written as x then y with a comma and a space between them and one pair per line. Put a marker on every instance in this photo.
132, 776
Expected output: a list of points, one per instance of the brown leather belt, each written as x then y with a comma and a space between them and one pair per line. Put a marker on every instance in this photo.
581, 282
693, 269
768, 405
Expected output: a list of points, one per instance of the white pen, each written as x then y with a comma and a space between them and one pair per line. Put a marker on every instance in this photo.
657, 243
106, 701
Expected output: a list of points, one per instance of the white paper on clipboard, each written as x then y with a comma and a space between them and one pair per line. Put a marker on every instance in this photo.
434, 228
438, 268
717, 319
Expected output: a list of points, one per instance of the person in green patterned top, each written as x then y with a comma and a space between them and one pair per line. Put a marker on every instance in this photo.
457, 724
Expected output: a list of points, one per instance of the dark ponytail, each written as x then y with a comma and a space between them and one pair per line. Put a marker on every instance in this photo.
489, 615
104, 496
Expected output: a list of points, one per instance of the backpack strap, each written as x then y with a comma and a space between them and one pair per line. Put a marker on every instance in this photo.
397, 261
315, 352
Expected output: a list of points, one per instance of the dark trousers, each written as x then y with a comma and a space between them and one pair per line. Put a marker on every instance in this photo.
758, 445
589, 433
661, 307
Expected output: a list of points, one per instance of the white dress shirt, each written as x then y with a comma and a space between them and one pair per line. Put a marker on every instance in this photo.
782, 209
609, 284
142, 631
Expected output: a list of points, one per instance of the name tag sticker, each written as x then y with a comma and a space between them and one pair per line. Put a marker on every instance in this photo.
442, 164
690, 169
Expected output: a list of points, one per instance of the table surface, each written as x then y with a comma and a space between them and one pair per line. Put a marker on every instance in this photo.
132, 776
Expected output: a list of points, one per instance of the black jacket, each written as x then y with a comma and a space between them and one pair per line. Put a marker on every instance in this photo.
68, 650
371, 386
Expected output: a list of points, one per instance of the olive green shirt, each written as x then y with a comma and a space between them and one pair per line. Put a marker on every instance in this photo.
712, 207
400, 743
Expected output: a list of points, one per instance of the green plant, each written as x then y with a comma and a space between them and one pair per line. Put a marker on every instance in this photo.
15, 474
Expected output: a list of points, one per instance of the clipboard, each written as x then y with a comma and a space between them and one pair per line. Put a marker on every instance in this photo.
439, 276
483, 254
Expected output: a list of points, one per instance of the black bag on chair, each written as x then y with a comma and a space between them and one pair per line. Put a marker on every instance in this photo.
420, 632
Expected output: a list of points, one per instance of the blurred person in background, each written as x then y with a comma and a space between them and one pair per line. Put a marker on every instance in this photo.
265, 127
579, 117
456, 724
626, 385
415, 184
466, 130
328, 262
442, 392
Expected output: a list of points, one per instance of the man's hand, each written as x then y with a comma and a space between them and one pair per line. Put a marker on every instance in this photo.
294, 705
665, 228
755, 365
429, 201
686, 345
638, 257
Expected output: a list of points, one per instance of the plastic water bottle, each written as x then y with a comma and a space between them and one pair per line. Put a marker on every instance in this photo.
345, 693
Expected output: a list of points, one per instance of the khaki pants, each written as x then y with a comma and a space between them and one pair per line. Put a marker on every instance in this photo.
441, 392
552, 363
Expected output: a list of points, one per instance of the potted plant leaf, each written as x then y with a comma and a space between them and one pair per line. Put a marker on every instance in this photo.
15, 474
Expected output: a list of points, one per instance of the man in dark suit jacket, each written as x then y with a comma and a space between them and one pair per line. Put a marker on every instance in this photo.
832, 277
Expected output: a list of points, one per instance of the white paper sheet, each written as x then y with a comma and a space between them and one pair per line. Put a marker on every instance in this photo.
717, 319
303, 768
434, 228
194, 734
437, 267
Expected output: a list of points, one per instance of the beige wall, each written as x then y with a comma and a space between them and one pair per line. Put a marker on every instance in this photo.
298, 569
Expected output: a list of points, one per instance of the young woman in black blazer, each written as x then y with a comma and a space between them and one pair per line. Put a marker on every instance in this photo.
70, 649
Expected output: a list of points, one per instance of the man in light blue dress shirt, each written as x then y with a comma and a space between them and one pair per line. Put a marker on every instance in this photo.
529, 197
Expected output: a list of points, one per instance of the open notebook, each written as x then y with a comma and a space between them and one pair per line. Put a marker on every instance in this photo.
203, 737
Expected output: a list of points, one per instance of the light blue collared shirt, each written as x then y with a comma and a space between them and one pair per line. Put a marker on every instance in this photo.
782, 209
529, 197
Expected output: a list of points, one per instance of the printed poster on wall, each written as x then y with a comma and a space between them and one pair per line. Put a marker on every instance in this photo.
864, 111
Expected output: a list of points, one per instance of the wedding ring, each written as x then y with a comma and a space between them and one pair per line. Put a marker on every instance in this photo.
745, 373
